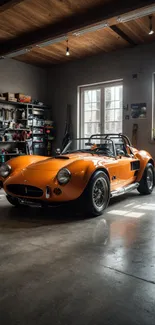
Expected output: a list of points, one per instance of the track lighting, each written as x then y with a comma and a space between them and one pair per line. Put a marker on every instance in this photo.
67, 49
91, 29
151, 32
135, 15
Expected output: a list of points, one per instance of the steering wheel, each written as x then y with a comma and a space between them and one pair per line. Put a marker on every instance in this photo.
104, 150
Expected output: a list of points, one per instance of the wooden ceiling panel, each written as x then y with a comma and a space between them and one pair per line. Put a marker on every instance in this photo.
81, 46
138, 30
26, 23
33, 14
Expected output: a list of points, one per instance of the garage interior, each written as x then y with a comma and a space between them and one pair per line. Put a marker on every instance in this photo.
58, 266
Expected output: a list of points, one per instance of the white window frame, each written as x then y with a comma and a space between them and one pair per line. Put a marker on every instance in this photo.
80, 114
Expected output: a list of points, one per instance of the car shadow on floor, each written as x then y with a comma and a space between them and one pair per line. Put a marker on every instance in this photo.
30, 217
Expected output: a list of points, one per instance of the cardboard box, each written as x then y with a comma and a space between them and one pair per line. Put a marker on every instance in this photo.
23, 98
2, 98
9, 96
13, 99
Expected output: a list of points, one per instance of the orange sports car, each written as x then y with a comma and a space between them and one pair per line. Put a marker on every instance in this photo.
90, 171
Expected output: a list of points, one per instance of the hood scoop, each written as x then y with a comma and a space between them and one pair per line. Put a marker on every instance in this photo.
61, 157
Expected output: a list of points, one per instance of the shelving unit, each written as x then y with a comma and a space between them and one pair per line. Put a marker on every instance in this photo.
33, 119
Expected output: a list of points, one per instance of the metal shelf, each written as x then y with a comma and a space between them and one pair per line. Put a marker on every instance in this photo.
10, 154
12, 142
23, 104
16, 130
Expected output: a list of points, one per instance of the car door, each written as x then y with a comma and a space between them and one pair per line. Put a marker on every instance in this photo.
127, 170
112, 165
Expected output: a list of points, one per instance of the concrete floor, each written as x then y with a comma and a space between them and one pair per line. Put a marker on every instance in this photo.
59, 269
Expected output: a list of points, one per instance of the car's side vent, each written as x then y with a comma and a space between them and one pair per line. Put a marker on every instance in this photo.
135, 165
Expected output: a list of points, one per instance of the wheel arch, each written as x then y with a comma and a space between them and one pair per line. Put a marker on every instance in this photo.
151, 161
144, 160
101, 169
97, 170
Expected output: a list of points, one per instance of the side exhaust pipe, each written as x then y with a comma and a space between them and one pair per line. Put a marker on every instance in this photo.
124, 190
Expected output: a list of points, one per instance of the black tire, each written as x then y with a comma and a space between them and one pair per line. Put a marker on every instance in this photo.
147, 182
13, 201
92, 204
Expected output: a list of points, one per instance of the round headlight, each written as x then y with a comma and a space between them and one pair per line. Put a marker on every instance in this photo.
63, 176
5, 170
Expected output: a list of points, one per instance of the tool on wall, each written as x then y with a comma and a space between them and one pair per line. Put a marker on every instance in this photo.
68, 132
135, 135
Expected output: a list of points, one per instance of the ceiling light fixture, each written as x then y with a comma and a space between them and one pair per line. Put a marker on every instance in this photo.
20, 52
151, 32
135, 15
53, 41
91, 29
67, 49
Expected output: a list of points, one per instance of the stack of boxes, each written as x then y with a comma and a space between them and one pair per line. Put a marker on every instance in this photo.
11, 97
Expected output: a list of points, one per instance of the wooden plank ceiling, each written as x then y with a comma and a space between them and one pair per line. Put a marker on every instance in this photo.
25, 24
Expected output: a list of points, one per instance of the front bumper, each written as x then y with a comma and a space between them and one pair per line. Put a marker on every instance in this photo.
43, 204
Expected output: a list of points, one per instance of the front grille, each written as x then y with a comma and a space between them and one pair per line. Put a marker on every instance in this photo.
25, 190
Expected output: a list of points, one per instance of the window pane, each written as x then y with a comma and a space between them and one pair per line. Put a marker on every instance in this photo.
118, 127
88, 116
118, 104
110, 127
95, 95
110, 115
110, 93
109, 104
117, 93
87, 130
87, 107
96, 105
95, 128
87, 96
118, 115
95, 116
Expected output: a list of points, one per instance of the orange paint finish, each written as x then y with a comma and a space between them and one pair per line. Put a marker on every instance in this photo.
42, 172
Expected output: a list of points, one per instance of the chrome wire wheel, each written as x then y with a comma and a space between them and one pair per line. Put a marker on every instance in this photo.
100, 193
150, 180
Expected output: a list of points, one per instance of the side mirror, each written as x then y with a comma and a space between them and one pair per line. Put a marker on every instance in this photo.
58, 151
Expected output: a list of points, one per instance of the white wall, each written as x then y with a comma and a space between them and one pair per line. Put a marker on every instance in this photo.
63, 81
17, 77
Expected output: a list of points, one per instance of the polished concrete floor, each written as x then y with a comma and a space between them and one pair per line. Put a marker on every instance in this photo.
64, 269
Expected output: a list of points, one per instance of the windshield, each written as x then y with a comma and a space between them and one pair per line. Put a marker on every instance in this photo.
93, 146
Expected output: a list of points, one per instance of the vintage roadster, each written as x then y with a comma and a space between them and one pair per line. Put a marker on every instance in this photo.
88, 172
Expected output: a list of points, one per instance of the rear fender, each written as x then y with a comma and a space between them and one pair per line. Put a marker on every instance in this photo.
144, 158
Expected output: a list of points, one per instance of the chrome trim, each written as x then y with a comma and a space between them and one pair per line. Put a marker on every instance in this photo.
123, 190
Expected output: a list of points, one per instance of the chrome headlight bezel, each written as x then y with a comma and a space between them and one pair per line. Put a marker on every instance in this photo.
5, 170
63, 176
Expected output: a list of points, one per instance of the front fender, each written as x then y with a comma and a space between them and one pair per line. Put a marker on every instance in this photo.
81, 172
21, 162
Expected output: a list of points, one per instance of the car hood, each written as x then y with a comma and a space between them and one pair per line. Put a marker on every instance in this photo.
55, 164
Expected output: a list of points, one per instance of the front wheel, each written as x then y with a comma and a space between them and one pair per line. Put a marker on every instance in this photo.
147, 182
97, 194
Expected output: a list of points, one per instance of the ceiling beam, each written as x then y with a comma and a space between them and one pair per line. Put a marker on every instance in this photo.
120, 33
8, 4
93, 15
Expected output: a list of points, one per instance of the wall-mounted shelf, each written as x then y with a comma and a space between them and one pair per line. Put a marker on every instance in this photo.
11, 120
23, 104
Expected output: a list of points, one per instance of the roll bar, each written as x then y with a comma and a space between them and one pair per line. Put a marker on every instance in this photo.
104, 136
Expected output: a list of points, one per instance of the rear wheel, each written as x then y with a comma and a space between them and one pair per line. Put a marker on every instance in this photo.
97, 194
147, 182
13, 201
